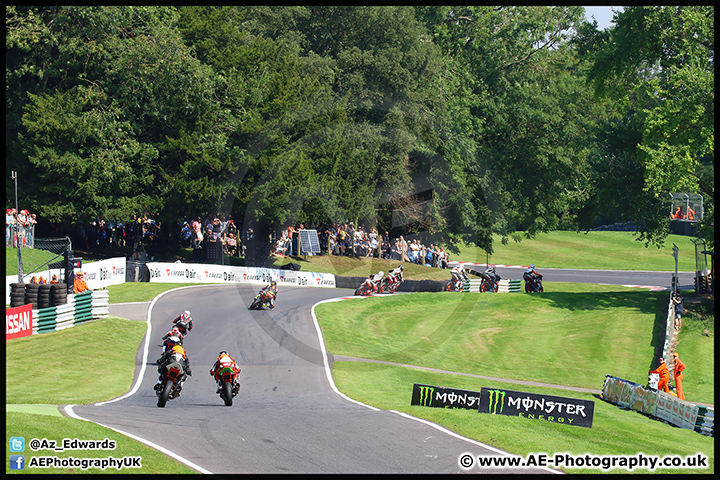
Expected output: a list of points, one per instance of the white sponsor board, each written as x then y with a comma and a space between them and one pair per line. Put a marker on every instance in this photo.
98, 274
201, 273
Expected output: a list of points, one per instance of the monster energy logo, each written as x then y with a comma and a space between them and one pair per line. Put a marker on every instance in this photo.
426, 393
497, 398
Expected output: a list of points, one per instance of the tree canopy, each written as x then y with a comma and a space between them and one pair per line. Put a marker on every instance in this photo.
452, 123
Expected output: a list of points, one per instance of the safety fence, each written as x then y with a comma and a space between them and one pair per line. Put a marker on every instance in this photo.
658, 404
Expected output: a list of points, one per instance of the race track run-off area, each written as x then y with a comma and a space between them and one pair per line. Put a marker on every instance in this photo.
288, 416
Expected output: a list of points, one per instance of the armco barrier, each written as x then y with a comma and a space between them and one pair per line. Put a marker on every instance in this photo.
660, 405
81, 307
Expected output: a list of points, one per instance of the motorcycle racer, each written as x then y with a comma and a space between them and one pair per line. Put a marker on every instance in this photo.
226, 361
173, 352
530, 276
174, 332
271, 288
184, 322
491, 275
459, 274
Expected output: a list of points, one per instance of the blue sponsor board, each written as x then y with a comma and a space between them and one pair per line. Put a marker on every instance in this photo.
570, 411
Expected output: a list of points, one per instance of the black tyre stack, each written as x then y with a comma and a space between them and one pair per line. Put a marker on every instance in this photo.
58, 294
31, 294
43, 298
17, 295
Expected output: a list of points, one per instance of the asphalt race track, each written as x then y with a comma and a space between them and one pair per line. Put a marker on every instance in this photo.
287, 417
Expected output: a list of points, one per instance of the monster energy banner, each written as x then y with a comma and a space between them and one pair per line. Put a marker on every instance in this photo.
570, 411
442, 397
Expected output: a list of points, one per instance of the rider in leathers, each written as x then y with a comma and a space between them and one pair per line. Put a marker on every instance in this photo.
167, 358
224, 360
272, 288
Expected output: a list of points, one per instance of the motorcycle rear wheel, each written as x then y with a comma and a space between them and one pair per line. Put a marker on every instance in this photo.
227, 393
162, 400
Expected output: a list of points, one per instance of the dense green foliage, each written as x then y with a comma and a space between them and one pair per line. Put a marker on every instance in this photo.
448, 123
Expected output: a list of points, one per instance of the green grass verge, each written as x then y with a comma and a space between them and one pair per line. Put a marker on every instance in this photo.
591, 250
614, 431
565, 338
64, 380
56, 428
140, 291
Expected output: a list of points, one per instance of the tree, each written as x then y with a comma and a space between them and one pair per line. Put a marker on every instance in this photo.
520, 118
658, 64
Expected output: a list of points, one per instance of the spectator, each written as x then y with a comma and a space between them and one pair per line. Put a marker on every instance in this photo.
350, 229
293, 239
280, 248
679, 310
677, 373
231, 245
691, 214
403, 250
341, 241
209, 234
10, 227
373, 243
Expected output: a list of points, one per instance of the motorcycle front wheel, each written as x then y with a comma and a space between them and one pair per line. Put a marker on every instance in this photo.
448, 286
255, 304
162, 400
227, 393
361, 290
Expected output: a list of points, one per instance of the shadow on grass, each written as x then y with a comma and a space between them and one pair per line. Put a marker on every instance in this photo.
640, 300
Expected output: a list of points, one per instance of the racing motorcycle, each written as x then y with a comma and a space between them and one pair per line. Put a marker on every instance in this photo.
172, 381
533, 283
229, 384
456, 286
368, 287
390, 283
490, 282
262, 299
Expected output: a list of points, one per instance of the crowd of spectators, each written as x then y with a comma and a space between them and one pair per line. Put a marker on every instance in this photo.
212, 228
136, 232
19, 227
346, 240
336, 239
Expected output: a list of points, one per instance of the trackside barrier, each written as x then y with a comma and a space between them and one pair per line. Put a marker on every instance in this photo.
81, 307
505, 286
659, 404
204, 273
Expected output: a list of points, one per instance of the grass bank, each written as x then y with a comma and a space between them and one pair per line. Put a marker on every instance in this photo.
63, 379
571, 338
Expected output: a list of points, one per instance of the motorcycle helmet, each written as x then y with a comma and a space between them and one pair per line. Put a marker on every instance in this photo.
532, 265
222, 353
272, 284
186, 316
401, 268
